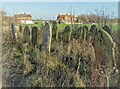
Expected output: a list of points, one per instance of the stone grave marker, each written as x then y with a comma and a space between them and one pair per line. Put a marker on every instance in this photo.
14, 34
54, 30
20, 28
34, 35
66, 34
26, 35
93, 31
107, 29
46, 35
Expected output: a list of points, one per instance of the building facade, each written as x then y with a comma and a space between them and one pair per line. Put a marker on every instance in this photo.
66, 18
24, 18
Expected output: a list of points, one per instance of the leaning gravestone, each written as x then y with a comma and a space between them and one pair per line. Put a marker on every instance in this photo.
34, 35
104, 47
107, 29
46, 35
26, 35
14, 35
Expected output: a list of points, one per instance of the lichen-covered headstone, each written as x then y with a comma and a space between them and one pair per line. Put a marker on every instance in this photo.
46, 35
26, 35
34, 35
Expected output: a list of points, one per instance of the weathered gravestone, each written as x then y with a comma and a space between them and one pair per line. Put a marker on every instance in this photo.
66, 35
26, 35
46, 35
14, 34
59, 36
34, 35
54, 30
104, 47
83, 30
85, 33
79, 30
66, 38
93, 31
75, 26
76, 33
39, 37
107, 29
104, 50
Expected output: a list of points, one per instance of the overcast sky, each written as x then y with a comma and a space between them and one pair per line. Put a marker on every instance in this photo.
49, 10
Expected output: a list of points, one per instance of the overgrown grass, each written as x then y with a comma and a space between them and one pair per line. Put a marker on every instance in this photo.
26, 66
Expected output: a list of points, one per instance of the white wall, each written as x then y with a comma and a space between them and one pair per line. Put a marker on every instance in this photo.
27, 21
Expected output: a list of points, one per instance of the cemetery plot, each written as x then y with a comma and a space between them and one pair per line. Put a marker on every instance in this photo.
80, 53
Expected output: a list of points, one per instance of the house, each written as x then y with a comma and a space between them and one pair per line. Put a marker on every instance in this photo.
66, 18
24, 18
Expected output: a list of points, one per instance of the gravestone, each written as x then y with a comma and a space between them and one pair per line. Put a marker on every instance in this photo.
93, 31
26, 35
34, 35
104, 47
54, 30
20, 28
80, 32
39, 37
76, 32
85, 31
66, 34
66, 38
107, 29
19, 32
80, 28
75, 26
14, 35
46, 35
